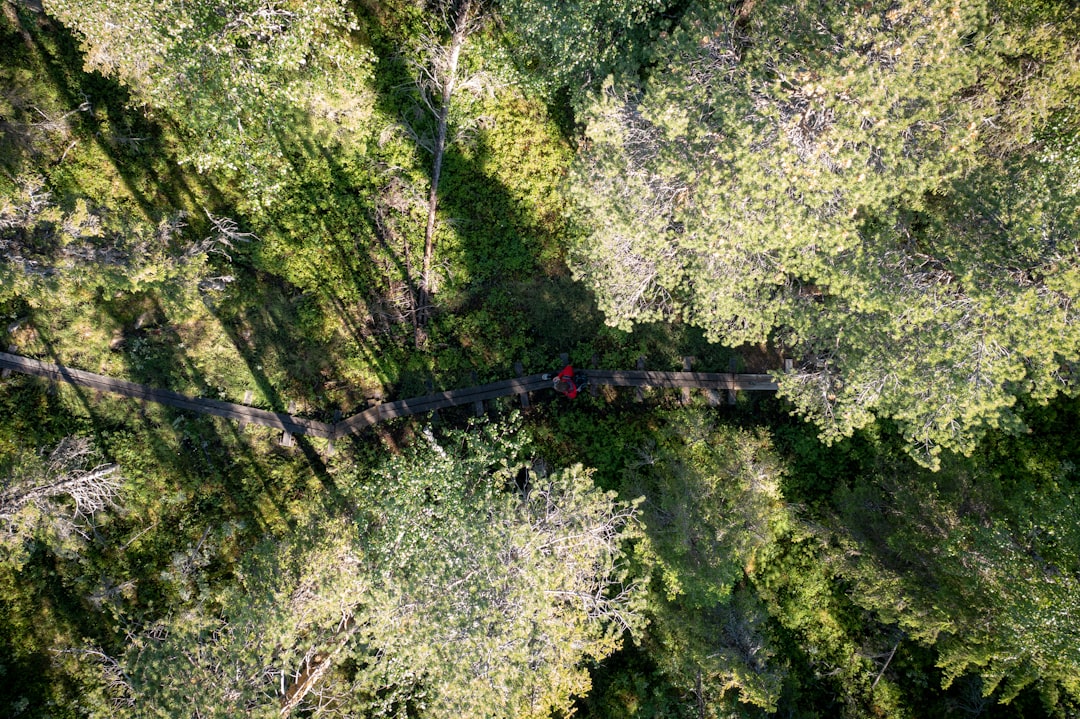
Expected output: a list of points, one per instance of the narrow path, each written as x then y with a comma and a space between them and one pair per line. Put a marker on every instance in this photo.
402, 408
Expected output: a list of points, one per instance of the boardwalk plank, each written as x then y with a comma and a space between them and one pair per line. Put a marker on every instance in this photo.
694, 380
523, 397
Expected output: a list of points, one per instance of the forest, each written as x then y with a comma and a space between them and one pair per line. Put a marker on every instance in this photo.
316, 207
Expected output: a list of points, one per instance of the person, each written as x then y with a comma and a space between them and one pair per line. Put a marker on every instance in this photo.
567, 383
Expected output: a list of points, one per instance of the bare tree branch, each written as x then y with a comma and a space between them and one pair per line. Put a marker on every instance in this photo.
92, 489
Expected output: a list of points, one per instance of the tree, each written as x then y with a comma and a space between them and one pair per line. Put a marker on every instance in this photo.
978, 561
234, 76
504, 594
713, 511
448, 587
439, 75
59, 251
859, 184
574, 45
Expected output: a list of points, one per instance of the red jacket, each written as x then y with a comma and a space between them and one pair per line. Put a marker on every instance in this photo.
567, 375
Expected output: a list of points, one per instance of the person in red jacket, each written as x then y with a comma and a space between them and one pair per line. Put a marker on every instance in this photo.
566, 382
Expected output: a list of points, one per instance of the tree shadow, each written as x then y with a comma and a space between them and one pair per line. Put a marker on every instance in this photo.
186, 476
101, 113
629, 685
139, 151
198, 452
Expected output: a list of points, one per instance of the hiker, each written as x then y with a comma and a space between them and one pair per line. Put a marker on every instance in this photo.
567, 383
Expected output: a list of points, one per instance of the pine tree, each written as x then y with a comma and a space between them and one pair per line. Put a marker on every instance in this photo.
713, 510
978, 561
449, 587
859, 184
233, 76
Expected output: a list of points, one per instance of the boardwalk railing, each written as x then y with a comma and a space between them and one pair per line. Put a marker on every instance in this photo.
401, 408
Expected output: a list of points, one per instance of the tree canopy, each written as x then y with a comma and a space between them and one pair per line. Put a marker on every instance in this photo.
235, 77
859, 183
451, 585
255, 201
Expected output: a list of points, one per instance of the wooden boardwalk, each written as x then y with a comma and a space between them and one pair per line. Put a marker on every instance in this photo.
690, 380
292, 424
239, 412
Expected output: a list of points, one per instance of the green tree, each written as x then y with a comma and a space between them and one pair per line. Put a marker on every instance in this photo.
448, 588
978, 561
236, 77
860, 184
51, 245
574, 45
713, 511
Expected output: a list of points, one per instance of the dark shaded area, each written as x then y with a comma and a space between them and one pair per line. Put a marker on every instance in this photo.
628, 685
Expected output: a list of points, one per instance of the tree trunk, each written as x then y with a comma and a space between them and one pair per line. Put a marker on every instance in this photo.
316, 666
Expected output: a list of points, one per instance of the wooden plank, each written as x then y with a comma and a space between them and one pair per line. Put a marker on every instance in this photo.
789, 364
440, 400
6, 372
478, 405
520, 386
687, 365
248, 396
694, 380
594, 389
455, 398
502, 388
286, 437
733, 364
639, 393
330, 443
430, 385
357, 422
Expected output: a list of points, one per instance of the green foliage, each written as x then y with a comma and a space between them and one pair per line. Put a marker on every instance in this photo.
446, 587
234, 77
575, 44
629, 685
83, 201
193, 496
841, 186
974, 562
714, 500
52, 498
427, 574
289, 597
91, 246
713, 507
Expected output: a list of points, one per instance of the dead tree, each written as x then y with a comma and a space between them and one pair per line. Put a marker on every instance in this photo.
63, 473
439, 76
